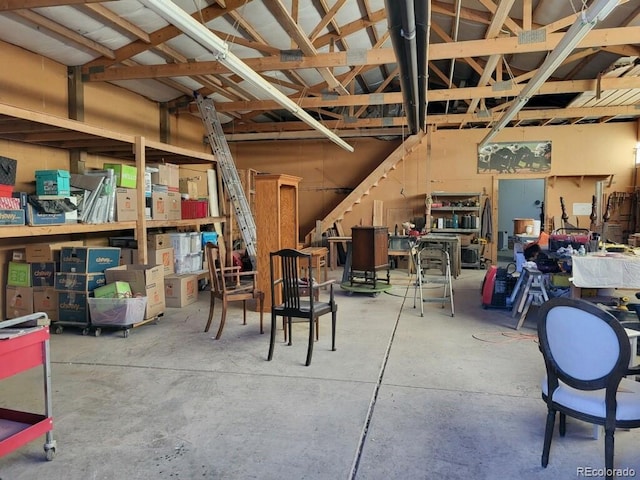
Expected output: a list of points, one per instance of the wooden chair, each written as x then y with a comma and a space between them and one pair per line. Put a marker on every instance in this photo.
586, 353
296, 297
229, 284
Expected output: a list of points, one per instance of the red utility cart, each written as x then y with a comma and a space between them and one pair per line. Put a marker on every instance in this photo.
22, 348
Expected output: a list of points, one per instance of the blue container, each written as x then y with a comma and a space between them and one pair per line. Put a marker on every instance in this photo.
53, 182
209, 237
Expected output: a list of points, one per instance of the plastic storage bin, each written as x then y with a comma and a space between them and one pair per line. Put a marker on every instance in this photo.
117, 312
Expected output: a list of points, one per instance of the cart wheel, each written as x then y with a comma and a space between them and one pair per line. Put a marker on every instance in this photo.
97, 332
50, 453
85, 331
125, 333
59, 329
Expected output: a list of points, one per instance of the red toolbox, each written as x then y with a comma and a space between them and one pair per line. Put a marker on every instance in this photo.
563, 237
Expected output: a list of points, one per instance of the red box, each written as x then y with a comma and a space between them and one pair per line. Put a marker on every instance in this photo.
6, 190
195, 208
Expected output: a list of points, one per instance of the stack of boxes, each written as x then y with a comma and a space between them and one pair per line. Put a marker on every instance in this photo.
30, 284
11, 212
160, 252
30, 289
164, 196
182, 288
50, 185
126, 197
82, 270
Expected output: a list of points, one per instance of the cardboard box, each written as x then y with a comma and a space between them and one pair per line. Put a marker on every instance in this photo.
168, 174
73, 307
159, 206
12, 217
146, 280
43, 274
126, 255
113, 290
156, 241
189, 187
163, 257
19, 301
126, 175
48, 252
88, 259
174, 206
45, 299
180, 290
126, 205
79, 282
36, 218
53, 182
19, 274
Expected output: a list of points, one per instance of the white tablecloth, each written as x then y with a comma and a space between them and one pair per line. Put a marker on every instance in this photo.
606, 271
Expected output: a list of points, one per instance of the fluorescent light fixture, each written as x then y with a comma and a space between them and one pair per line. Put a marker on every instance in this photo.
638, 154
201, 34
586, 21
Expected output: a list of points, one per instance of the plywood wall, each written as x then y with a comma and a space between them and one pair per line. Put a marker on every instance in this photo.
445, 161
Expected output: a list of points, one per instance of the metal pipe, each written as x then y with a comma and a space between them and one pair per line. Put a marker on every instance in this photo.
408, 33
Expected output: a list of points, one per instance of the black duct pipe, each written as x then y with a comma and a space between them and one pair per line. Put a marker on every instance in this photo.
407, 23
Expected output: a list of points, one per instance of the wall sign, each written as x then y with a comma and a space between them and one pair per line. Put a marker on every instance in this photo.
515, 157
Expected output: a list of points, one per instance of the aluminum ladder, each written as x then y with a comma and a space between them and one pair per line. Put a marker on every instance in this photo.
230, 176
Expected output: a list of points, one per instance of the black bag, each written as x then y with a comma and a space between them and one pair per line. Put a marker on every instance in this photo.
8, 167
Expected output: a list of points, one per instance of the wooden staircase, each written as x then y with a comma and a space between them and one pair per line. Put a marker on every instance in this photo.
355, 197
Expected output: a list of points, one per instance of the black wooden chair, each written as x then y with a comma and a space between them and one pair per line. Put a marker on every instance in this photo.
229, 284
293, 296
586, 353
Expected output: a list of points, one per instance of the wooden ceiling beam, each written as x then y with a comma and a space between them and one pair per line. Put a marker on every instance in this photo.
549, 88
450, 120
65, 34
8, 5
278, 9
163, 34
438, 51
115, 21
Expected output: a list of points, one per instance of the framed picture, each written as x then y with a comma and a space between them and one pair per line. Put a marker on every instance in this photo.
515, 157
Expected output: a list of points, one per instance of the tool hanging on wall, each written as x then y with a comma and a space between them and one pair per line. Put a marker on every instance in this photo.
594, 214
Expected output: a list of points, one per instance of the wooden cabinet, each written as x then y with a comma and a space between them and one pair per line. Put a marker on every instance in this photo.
369, 254
276, 216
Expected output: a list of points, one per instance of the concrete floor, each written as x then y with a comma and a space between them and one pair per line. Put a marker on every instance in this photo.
458, 398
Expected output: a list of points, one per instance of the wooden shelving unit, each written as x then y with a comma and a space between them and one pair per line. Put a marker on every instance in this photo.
27, 126
460, 204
